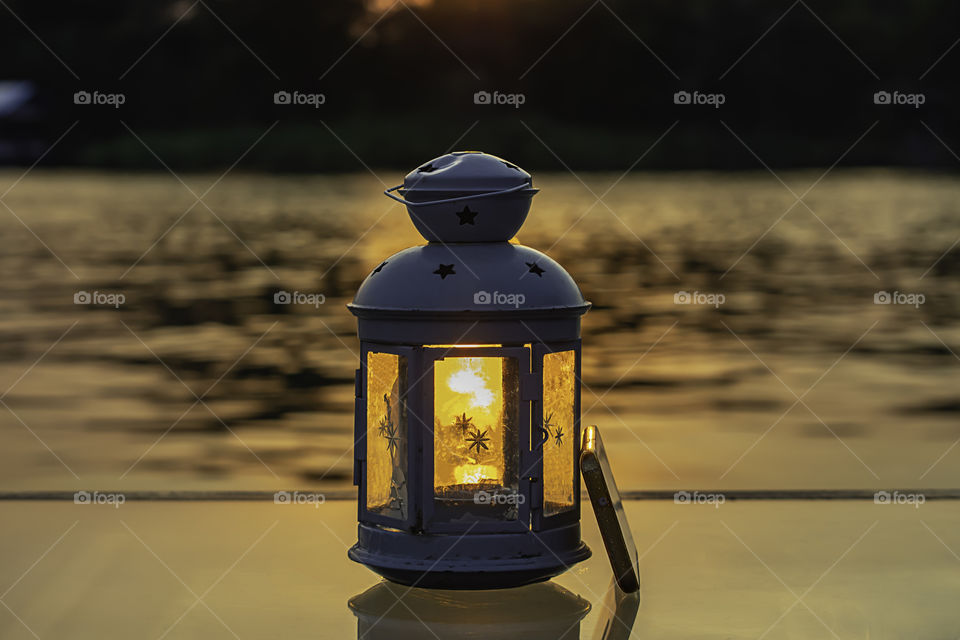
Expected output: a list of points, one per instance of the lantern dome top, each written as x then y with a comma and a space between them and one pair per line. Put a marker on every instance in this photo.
479, 278
466, 196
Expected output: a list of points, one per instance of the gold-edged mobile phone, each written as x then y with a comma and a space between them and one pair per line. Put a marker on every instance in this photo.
608, 508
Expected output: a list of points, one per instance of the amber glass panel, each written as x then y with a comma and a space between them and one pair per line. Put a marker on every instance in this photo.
387, 434
559, 419
476, 439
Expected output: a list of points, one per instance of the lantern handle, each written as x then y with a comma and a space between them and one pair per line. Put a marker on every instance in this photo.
389, 194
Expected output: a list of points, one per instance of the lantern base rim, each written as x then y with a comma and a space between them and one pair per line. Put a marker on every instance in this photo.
481, 565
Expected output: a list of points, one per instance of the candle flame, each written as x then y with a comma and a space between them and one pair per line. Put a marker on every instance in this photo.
475, 473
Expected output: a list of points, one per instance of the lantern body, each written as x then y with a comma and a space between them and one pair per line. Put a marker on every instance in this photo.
467, 409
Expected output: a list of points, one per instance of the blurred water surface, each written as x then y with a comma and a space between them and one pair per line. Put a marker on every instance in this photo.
798, 380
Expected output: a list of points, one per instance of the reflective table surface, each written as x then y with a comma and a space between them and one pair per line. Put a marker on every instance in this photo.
256, 569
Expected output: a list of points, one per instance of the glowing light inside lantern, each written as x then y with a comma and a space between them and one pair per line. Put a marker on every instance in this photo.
469, 423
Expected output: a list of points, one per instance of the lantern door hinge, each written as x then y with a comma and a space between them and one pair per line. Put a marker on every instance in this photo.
359, 421
530, 387
536, 494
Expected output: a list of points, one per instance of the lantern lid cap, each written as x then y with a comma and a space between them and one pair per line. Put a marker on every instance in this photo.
465, 172
466, 196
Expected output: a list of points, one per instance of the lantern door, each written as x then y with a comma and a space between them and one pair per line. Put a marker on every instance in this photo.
556, 433
386, 434
477, 447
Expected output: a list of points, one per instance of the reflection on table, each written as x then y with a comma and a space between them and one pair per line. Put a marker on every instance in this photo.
544, 611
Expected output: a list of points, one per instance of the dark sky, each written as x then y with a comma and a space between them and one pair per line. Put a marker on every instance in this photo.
583, 84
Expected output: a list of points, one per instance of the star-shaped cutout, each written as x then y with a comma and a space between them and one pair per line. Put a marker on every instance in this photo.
445, 270
463, 422
382, 427
559, 436
385, 421
535, 269
427, 168
478, 439
393, 438
382, 265
467, 216
546, 429
548, 421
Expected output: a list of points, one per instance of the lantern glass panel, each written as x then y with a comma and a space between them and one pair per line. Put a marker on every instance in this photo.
386, 481
559, 421
476, 438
